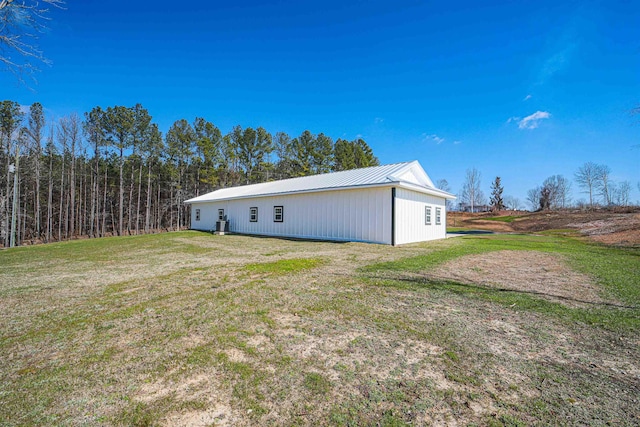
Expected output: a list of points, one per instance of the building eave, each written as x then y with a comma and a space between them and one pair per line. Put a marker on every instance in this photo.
431, 191
407, 185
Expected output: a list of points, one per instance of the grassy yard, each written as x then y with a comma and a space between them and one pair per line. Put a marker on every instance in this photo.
194, 329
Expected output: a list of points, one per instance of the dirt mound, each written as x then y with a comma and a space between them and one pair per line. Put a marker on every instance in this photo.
620, 228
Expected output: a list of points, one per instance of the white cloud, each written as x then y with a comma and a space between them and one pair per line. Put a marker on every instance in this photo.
532, 121
378, 120
457, 142
526, 98
433, 138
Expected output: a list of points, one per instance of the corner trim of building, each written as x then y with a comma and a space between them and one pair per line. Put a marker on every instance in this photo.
393, 216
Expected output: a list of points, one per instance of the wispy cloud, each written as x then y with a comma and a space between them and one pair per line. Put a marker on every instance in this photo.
378, 120
563, 46
432, 138
532, 121
558, 61
526, 98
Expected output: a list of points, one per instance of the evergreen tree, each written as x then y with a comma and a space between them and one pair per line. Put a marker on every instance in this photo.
35, 132
344, 157
118, 126
180, 142
282, 148
68, 189
322, 154
353, 155
364, 157
208, 153
497, 204
302, 151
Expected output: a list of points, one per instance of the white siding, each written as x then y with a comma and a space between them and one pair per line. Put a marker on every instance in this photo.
410, 217
351, 215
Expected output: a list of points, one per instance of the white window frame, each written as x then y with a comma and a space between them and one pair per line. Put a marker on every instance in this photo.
278, 216
197, 214
220, 214
427, 215
253, 214
438, 216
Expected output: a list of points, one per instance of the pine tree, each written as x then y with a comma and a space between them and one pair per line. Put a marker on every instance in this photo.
68, 189
497, 204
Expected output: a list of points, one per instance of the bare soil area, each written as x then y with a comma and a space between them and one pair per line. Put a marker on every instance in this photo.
616, 227
542, 274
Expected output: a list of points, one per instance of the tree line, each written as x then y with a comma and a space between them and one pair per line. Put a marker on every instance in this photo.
113, 172
593, 180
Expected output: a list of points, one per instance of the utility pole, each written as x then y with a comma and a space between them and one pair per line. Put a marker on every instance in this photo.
14, 210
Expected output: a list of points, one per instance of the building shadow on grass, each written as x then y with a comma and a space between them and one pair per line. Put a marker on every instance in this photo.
469, 232
288, 239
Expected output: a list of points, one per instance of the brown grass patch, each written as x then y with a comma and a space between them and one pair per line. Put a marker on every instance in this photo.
546, 275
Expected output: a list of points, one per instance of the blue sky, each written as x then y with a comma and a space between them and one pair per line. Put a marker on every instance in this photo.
523, 90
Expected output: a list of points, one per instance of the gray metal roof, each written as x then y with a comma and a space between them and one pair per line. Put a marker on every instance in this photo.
408, 174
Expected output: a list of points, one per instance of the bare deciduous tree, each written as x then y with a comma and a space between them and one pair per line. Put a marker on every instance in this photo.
10, 121
512, 203
443, 185
604, 184
21, 22
563, 191
586, 177
471, 192
622, 192
533, 197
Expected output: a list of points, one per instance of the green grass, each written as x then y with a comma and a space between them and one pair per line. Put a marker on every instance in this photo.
316, 383
456, 229
284, 266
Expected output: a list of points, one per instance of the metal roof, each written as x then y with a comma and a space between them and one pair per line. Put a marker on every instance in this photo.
407, 174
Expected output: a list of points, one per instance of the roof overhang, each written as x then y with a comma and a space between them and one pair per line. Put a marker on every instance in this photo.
402, 184
430, 191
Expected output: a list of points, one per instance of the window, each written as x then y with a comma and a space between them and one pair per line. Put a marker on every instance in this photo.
220, 214
438, 216
427, 215
197, 214
253, 214
278, 214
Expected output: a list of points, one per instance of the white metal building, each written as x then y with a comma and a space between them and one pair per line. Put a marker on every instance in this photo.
390, 204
